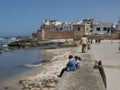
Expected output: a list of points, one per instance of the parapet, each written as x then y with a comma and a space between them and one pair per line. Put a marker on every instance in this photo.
85, 78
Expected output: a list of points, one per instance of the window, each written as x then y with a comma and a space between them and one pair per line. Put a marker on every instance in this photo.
98, 29
91, 26
88, 23
105, 29
91, 30
78, 28
108, 30
61, 28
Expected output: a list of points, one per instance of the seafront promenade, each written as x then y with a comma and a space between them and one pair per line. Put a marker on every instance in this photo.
107, 51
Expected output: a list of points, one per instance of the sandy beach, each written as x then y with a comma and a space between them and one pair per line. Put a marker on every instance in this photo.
46, 77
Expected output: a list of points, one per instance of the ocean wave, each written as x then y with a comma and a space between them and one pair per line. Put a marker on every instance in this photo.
32, 65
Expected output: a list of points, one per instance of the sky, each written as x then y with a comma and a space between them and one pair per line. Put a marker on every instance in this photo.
23, 17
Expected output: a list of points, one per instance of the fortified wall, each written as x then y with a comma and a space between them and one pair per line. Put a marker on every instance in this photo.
67, 34
53, 34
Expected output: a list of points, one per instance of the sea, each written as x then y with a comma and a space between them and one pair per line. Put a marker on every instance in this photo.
14, 62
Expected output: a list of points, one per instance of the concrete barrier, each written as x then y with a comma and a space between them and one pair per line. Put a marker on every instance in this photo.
85, 78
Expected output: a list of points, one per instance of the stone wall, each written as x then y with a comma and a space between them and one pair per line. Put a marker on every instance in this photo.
53, 34
84, 78
106, 36
67, 34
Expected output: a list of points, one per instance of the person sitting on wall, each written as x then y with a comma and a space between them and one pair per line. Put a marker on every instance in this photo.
98, 65
71, 66
77, 59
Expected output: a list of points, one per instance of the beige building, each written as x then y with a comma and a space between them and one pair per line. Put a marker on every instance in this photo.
80, 30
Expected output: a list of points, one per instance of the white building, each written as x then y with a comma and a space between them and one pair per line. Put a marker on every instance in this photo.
65, 26
57, 23
101, 28
49, 22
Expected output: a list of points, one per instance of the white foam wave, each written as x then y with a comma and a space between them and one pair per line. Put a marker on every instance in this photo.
32, 65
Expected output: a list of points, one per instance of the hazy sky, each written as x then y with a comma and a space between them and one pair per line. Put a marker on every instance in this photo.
22, 17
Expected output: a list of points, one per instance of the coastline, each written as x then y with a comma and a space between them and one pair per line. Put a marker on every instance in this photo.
48, 71
50, 67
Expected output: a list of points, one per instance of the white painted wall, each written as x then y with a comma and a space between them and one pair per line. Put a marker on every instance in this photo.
102, 27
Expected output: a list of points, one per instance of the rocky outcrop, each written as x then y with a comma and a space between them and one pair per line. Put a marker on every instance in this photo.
23, 44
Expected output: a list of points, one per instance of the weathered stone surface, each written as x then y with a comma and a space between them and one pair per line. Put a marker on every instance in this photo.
85, 78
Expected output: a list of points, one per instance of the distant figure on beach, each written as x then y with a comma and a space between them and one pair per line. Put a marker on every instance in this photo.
96, 40
77, 59
89, 44
84, 42
98, 65
71, 66
99, 40
119, 47
91, 40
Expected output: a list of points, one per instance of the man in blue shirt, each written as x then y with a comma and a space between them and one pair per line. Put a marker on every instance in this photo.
71, 66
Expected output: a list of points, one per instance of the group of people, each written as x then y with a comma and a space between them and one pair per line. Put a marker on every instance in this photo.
74, 62
86, 43
72, 65
98, 40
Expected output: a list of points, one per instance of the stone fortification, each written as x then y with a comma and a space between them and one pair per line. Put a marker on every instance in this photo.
53, 34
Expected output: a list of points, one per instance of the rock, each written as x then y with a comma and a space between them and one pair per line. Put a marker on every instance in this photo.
51, 85
45, 88
6, 88
37, 84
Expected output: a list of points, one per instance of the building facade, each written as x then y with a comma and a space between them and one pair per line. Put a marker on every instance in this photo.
101, 28
80, 30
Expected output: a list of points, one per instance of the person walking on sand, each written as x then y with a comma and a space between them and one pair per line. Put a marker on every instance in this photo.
98, 65
71, 66
84, 42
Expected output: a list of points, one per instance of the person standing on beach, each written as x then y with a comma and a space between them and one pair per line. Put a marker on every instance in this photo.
71, 66
98, 65
84, 42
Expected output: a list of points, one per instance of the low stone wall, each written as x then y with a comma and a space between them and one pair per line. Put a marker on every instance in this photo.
105, 36
85, 78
